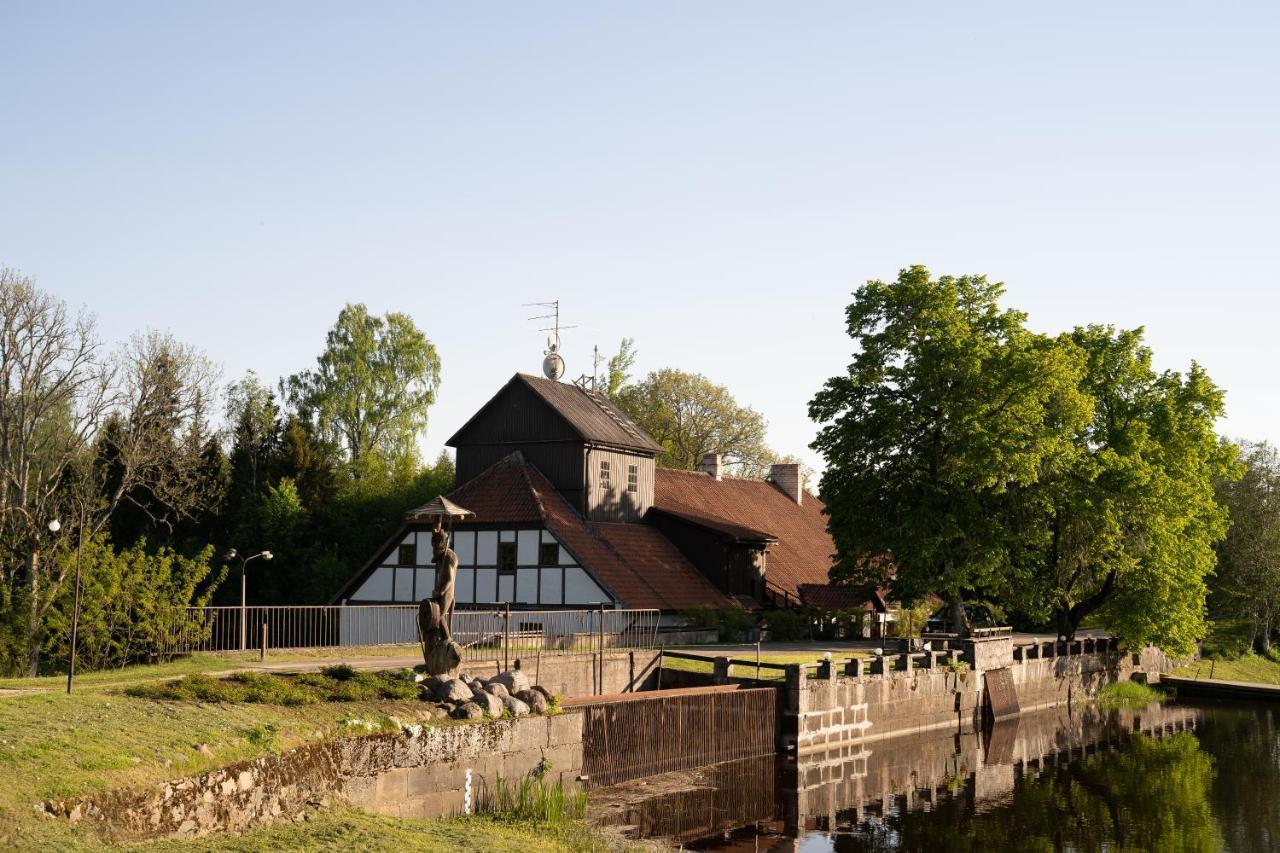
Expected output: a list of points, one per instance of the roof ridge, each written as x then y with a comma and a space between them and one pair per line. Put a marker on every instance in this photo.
528, 481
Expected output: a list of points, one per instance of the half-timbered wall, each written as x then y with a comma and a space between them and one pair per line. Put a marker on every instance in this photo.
521, 567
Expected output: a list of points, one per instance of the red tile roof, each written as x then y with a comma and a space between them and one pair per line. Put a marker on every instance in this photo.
804, 551
826, 596
633, 561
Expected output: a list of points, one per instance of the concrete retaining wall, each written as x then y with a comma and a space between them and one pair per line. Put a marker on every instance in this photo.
571, 676
441, 771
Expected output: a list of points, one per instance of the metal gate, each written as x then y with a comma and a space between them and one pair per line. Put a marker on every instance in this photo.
641, 734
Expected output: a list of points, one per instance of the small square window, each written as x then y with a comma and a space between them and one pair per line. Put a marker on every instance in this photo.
633, 478
549, 554
407, 556
507, 556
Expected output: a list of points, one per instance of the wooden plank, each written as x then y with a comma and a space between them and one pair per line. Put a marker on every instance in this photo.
1000, 699
641, 696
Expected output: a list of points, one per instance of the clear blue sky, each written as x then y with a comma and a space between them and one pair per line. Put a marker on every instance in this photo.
712, 179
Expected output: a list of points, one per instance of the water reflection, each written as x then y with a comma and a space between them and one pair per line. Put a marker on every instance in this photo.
1173, 777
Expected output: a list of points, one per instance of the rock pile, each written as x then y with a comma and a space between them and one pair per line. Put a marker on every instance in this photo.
468, 697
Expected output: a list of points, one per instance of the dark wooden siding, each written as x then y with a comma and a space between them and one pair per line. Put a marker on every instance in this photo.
559, 462
702, 548
515, 415
617, 503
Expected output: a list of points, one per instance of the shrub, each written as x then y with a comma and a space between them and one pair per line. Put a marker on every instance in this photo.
340, 672
1129, 694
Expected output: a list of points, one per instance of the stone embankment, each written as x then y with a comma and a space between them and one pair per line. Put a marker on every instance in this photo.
423, 771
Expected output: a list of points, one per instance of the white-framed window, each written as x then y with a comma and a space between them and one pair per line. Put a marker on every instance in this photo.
604, 474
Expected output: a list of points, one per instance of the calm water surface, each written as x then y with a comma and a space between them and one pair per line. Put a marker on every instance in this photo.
1193, 777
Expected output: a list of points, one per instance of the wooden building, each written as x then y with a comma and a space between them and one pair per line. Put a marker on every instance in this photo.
571, 511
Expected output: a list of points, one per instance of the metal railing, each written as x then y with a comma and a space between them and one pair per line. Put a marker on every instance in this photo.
497, 634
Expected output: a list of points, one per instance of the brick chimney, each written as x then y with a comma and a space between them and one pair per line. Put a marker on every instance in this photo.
710, 464
787, 477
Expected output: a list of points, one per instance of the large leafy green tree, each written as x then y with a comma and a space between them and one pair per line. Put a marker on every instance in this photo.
948, 407
1126, 530
691, 416
370, 390
1248, 581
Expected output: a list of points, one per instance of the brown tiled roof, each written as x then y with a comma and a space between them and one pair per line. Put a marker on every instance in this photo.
502, 493
719, 525
826, 596
637, 565
804, 551
661, 566
591, 414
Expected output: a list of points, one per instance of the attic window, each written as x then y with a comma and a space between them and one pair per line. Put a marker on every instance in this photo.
406, 556
604, 474
633, 478
549, 554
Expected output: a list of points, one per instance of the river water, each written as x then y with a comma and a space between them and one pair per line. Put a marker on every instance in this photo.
1173, 777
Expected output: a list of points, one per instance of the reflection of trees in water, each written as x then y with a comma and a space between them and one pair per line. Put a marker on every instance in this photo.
1246, 789
1153, 794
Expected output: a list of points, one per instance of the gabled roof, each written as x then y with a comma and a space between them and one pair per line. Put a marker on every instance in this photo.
803, 552
438, 507
727, 529
590, 414
829, 596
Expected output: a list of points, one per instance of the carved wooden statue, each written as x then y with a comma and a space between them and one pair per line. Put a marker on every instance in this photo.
440, 653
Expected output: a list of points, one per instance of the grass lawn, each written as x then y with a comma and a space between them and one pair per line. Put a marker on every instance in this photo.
1247, 667
53, 745
205, 662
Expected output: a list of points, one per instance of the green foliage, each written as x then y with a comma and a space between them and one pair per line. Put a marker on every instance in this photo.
731, 626
789, 625
1063, 476
691, 416
370, 390
910, 621
1130, 694
533, 798
620, 367
334, 684
130, 603
1249, 556
949, 406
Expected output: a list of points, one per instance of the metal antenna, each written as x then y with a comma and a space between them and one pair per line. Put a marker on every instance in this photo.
553, 364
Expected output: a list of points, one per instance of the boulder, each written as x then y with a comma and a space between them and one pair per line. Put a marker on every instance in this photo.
536, 701
478, 683
497, 690
546, 694
515, 706
491, 704
453, 690
468, 711
513, 679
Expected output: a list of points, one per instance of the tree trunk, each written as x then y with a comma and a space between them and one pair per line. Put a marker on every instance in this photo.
33, 613
959, 622
1262, 641
1069, 618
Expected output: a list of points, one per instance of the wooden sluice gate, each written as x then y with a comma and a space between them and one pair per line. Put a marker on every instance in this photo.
633, 735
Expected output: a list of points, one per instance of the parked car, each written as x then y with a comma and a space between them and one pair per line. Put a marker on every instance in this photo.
979, 616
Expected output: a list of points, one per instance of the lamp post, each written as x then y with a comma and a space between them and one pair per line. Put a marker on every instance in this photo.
244, 561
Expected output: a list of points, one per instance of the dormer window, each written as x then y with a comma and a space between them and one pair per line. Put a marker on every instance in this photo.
604, 474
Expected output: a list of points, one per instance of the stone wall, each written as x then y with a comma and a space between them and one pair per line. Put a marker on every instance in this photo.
433, 772
571, 676
880, 702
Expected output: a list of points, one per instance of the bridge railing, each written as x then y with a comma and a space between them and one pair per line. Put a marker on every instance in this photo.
483, 634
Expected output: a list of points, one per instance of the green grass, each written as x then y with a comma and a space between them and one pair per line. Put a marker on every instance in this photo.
339, 683
346, 830
1129, 694
533, 799
205, 662
1247, 667
56, 746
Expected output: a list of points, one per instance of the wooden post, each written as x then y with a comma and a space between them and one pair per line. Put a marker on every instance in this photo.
757, 657
600, 632
659, 685
263, 654
506, 636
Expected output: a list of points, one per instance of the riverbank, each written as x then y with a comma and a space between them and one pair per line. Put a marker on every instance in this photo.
1248, 667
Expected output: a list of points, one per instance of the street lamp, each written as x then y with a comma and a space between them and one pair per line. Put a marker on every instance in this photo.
244, 561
